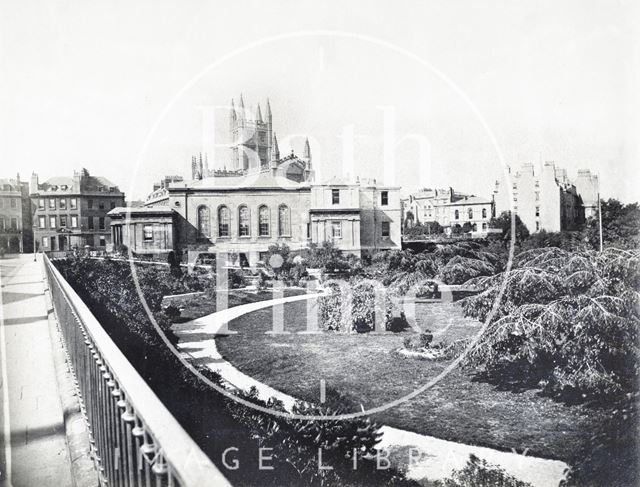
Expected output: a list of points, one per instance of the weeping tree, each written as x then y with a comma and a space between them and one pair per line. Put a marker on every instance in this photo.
569, 322
571, 317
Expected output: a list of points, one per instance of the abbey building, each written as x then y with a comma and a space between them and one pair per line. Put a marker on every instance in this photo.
258, 200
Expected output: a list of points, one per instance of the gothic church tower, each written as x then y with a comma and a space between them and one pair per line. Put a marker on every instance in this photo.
251, 137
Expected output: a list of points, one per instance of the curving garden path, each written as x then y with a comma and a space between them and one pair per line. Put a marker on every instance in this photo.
438, 458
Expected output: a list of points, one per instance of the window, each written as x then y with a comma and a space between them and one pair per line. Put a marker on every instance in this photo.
45, 242
52, 222
74, 221
335, 196
204, 222
223, 221
537, 195
90, 240
103, 241
484, 226
101, 223
42, 222
386, 229
244, 225
537, 226
112, 204
41, 203
284, 221
63, 220
537, 184
90, 204
384, 198
101, 205
14, 224
470, 211
336, 230
52, 203
90, 222
63, 203
537, 211
147, 232
515, 186
456, 215
73, 203
484, 213
474, 227
263, 221
14, 203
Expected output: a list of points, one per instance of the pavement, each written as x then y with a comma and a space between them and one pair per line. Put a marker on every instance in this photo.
33, 445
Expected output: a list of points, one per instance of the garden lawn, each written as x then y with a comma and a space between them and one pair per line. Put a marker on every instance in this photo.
364, 368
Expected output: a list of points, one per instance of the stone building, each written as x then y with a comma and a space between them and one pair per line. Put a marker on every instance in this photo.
588, 187
16, 233
544, 199
450, 209
71, 212
261, 200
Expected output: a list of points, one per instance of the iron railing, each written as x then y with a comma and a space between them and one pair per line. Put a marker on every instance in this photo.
135, 441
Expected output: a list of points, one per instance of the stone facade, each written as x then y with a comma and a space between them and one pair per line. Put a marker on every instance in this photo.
449, 209
544, 200
71, 212
588, 187
16, 232
144, 230
243, 216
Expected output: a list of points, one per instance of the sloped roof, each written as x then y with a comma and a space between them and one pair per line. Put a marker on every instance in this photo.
470, 200
257, 180
138, 210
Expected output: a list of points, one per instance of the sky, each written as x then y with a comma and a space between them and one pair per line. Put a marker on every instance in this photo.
435, 94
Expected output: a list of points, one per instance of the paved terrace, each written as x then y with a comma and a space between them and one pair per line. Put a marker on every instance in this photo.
34, 449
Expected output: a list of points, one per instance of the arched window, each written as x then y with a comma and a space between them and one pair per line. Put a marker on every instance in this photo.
484, 213
475, 227
457, 215
244, 224
284, 221
263, 221
223, 221
470, 213
204, 222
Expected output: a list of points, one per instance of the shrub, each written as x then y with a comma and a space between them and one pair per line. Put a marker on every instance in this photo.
425, 338
355, 308
480, 473
460, 269
295, 443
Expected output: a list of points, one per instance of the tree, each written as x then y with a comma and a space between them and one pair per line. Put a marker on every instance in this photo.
503, 222
279, 259
620, 225
570, 319
409, 220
